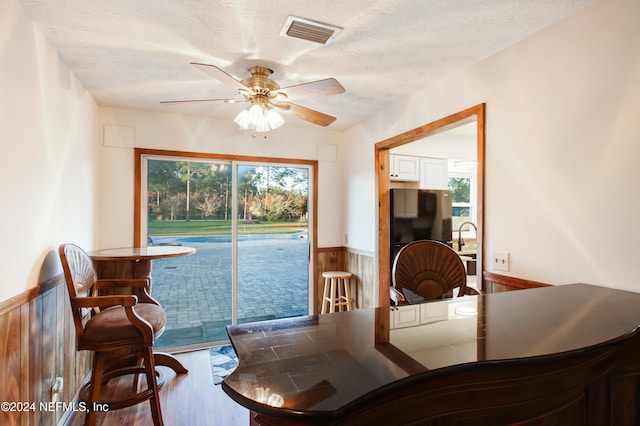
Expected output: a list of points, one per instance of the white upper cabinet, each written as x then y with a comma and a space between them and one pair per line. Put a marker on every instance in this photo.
429, 173
405, 168
434, 173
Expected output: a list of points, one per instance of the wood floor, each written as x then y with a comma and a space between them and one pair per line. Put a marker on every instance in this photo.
187, 399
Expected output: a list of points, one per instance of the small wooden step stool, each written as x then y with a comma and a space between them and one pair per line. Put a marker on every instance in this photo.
337, 291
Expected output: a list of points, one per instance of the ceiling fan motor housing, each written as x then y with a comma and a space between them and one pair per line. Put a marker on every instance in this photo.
259, 81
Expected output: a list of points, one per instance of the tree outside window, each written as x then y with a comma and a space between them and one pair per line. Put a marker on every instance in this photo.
460, 188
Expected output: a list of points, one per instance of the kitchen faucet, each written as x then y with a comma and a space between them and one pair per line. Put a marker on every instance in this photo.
460, 240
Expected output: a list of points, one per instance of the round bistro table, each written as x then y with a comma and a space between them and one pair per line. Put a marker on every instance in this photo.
135, 262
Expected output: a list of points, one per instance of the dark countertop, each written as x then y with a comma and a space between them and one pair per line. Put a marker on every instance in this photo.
328, 364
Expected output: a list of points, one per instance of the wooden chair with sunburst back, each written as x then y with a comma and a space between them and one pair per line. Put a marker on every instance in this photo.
431, 270
110, 325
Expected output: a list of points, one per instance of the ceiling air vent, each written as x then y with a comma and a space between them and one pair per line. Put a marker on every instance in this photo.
305, 29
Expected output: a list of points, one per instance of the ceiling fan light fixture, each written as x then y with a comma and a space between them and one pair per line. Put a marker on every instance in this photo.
274, 118
242, 119
259, 118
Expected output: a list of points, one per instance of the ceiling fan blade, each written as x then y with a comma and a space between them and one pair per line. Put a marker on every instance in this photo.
305, 114
229, 101
222, 76
329, 86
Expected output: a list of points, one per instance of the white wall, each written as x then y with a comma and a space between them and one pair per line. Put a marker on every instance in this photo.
201, 134
48, 162
562, 144
443, 145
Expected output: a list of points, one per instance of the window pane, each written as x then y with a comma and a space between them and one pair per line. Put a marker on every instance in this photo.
189, 203
461, 212
273, 253
460, 189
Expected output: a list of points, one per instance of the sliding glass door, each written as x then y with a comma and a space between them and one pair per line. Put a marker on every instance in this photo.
272, 242
249, 223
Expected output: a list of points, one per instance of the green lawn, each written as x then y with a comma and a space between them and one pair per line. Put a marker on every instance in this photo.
220, 227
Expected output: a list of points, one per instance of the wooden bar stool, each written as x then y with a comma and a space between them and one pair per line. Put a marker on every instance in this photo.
337, 291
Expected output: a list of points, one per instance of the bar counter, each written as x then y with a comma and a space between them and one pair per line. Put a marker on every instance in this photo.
567, 354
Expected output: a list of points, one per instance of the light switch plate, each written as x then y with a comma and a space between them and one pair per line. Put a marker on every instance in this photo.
500, 261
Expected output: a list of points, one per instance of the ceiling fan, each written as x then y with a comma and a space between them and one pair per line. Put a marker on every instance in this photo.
267, 97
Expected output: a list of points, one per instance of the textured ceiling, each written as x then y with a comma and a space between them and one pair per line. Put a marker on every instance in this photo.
136, 53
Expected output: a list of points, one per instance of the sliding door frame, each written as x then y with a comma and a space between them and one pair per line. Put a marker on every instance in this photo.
139, 153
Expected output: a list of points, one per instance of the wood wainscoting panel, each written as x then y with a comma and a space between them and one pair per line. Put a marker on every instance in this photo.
38, 344
496, 283
362, 266
331, 259
11, 379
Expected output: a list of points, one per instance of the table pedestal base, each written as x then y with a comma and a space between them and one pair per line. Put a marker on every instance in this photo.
167, 360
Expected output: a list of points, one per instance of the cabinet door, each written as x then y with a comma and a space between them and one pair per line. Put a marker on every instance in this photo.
433, 311
434, 173
405, 168
405, 316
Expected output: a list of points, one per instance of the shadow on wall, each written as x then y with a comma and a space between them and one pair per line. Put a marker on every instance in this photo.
50, 266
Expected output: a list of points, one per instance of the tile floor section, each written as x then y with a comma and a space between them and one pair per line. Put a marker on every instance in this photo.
196, 290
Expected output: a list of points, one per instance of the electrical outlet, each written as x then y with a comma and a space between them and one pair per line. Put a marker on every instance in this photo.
500, 261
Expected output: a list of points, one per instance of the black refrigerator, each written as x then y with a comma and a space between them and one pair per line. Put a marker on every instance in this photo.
419, 214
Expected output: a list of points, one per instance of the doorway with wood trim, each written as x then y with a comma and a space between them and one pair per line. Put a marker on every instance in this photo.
382, 163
